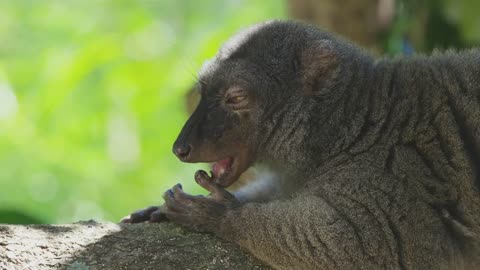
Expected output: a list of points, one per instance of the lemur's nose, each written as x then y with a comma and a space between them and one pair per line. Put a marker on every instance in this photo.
182, 151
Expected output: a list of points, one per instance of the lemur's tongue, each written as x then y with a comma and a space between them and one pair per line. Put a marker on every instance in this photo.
221, 166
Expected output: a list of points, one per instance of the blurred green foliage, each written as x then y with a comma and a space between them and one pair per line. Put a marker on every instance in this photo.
92, 97
425, 25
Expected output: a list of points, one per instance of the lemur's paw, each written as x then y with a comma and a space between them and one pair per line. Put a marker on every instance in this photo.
199, 213
149, 214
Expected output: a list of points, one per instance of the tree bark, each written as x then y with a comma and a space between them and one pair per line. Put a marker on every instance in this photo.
91, 245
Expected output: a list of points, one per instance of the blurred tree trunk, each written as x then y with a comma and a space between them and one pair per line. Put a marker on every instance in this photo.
358, 20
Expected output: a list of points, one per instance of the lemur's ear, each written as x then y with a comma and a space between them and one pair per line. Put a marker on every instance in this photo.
319, 67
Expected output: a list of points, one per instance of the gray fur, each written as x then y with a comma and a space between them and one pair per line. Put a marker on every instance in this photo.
373, 163
387, 164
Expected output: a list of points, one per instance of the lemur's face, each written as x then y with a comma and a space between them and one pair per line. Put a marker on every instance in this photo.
222, 128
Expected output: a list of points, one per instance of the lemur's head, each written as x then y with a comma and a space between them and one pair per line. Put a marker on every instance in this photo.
255, 76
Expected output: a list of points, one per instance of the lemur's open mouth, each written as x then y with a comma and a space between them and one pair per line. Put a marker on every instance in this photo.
224, 171
221, 167
227, 170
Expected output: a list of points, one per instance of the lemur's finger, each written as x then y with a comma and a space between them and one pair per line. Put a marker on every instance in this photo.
140, 215
180, 196
171, 203
216, 191
157, 216
205, 181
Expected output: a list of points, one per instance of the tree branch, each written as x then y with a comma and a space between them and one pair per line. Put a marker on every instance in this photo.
91, 245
